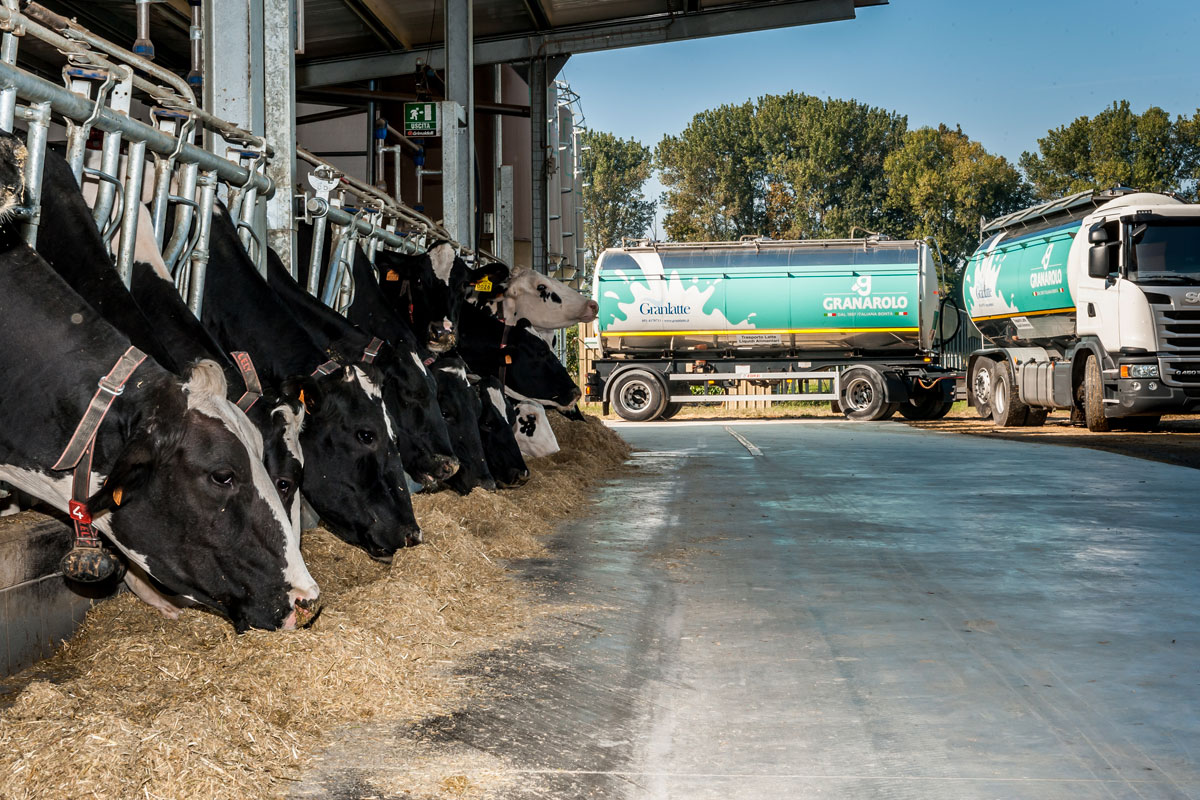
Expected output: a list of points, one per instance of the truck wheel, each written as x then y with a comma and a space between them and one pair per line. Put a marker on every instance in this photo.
638, 395
1093, 397
983, 373
924, 405
1008, 411
670, 410
862, 395
1037, 417
944, 410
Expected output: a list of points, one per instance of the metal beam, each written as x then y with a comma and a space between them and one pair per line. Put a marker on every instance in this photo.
279, 81
654, 29
539, 244
339, 94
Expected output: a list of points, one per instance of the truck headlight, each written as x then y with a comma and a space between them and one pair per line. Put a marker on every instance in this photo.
1139, 370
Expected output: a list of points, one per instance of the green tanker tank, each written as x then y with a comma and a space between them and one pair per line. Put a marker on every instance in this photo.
869, 296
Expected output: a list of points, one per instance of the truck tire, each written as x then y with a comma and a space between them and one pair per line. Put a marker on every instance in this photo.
670, 410
1093, 397
862, 396
638, 395
1037, 417
983, 373
1008, 410
1140, 424
924, 405
944, 410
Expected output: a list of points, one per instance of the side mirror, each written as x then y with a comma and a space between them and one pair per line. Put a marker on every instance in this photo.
1099, 261
1097, 234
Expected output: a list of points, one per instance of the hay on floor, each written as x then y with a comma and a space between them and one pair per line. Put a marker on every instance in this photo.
137, 706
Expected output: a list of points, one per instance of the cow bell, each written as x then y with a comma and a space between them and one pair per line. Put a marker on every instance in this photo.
89, 564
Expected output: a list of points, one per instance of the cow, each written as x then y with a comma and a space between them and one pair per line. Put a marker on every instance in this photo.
543, 302
408, 394
534, 435
456, 398
461, 407
176, 481
529, 369
353, 475
497, 417
277, 417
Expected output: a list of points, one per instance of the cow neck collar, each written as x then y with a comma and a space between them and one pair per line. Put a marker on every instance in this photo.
370, 352
254, 389
87, 561
505, 358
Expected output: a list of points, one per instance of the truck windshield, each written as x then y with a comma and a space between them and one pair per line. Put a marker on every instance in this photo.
1166, 253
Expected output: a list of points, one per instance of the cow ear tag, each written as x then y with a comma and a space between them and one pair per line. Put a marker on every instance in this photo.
484, 284
117, 495
508, 359
392, 275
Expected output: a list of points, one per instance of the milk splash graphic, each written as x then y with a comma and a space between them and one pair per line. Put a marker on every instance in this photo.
654, 290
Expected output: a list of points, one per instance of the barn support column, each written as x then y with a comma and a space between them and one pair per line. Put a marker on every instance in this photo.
458, 135
279, 61
234, 81
537, 136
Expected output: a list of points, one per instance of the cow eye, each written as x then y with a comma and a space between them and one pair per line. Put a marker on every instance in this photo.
283, 485
222, 477
366, 437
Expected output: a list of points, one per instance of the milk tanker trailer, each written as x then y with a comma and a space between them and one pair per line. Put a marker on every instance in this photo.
848, 321
1089, 303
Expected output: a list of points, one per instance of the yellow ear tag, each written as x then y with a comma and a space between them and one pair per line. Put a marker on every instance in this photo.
391, 275
118, 493
301, 397
508, 359
484, 285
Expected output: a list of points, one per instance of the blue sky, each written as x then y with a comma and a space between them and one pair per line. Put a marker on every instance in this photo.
1005, 70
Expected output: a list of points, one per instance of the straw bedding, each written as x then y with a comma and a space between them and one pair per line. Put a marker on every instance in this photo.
140, 706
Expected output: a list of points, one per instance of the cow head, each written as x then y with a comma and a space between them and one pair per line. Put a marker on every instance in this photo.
280, 420
535, 373
496, 420
460, 408
353, 475
534, 435
544, 302
411, 396
192, 505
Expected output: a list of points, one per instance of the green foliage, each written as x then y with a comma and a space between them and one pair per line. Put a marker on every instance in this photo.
614, 171
824, 164
1118, 148
940, 183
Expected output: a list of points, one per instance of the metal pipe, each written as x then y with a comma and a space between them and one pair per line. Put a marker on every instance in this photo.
135, 167
322, 210
68, 104
183, 214
320, 223
371, 175
503, 109
142, 46
8, 96
404, 140
39, 128
195, 78
110, 162
199, 257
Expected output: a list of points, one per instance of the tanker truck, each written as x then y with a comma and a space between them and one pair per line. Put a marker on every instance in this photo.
847, 321
1089, 303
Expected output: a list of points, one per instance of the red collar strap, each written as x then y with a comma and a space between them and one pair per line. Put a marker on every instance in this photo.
372, 350
253, 385
87, 561
328, 368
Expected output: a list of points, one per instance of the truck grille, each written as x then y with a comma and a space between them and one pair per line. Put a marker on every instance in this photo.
1179, 341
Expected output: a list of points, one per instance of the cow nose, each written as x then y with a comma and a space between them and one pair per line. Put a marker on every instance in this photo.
413, 539
522, 478
447, 466
578, 394
306, 611
593, 307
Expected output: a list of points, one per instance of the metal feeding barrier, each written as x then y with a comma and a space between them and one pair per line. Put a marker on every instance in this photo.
100, 80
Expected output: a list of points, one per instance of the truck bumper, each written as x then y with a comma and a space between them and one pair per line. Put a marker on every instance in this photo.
1140, 397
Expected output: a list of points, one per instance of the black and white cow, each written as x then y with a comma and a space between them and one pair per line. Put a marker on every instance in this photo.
461, 407
277, 417
530, 368
177, 477
532, 428
543, 302
353, 475
456, 398
497, 417
408, 394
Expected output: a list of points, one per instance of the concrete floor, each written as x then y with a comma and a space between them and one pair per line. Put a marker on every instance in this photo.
856, 611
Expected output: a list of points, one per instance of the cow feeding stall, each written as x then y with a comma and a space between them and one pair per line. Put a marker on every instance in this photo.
140, 706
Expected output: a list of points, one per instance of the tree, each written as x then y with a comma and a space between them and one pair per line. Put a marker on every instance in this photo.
713, 175
824, 164
940, 183
614, 171
1118, 148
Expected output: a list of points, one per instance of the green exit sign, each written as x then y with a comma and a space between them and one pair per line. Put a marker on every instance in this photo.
421, 119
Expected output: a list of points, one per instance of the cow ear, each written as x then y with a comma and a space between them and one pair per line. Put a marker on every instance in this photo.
149, 449
304, 391
488, 282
